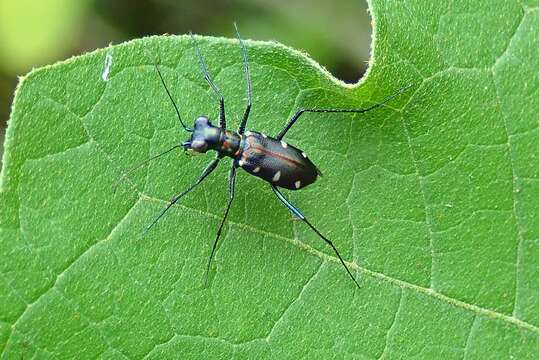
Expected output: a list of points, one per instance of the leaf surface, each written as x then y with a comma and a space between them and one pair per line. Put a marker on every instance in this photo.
432, 200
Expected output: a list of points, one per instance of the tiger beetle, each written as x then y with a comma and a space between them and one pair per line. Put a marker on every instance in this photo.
268, 158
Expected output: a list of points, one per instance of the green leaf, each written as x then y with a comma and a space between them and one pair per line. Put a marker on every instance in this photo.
432, 200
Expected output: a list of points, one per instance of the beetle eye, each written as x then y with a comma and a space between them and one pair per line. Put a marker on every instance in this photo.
199, 146
202, 121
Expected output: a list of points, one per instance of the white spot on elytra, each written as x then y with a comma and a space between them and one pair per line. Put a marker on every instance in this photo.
304, 155
277, 176
264, 136
256, 170
285, 145
240, 163
106, 67
297, 184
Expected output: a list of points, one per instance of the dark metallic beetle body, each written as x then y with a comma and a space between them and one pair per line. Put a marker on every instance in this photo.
276, 161
269, 158
273, 160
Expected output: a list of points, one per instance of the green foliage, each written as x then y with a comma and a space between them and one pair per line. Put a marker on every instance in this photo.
432, 199
36, 32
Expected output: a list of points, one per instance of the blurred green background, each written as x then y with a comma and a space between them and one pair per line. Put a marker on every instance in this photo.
38, 32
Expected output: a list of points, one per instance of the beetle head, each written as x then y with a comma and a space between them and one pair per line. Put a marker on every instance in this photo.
205, 136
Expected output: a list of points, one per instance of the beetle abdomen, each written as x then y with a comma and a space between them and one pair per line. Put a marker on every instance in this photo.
276, 162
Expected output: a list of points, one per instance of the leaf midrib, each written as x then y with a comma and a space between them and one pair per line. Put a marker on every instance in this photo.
377, 275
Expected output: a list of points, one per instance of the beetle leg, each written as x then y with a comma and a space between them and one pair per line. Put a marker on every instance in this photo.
300, 112
207, 171
247, 77
231, 187
222, 120
302, 217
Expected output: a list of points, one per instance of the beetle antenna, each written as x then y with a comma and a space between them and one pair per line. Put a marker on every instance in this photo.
167, 91
139, 165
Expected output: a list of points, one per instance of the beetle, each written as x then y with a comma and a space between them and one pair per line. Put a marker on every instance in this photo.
269, 158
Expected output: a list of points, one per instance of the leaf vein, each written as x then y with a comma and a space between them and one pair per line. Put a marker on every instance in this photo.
487, 313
